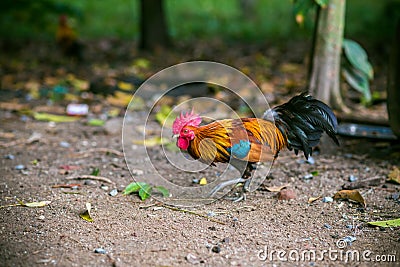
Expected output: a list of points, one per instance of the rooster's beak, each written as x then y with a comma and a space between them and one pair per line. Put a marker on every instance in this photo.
175, 136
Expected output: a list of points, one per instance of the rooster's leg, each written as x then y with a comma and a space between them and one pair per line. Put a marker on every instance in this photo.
246, 179
225, 184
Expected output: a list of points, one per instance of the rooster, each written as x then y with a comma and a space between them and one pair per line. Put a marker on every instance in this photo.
296, 125
67, 39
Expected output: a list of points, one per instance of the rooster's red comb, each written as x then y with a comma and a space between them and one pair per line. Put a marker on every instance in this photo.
191, 119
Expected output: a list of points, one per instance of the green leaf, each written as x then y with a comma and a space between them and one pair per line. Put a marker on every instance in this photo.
164, 191
357, 57
133, 188
95, 172
388, 223
322, 3
145, 191
141, 63
358, 81
151, 141
171, 146
164, 116
96, 122
55, 118
315, 173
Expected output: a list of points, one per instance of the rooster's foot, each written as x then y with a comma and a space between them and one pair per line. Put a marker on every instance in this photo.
225, 184
241, 196
237, 198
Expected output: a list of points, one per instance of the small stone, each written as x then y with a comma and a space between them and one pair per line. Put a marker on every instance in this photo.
349, 239
65, 144
226, 240
41, 217
100, 251
192, 259
113, 192
327, 226
137, 172
216, 249
9, 156
360, 209
104, 187
352, 178
212, 228
89, 182
286, 194
113, 126
308, 176
211, 214
19, 167
327, 199
396, 196
195, 181
235, 219
349, 226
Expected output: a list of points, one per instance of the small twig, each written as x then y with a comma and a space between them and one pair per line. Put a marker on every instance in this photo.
374, 181
7, 135
193, 213
13, 143
248, 208
149, 206
11, 205
91, 177
72, 193
33, 138
88, 153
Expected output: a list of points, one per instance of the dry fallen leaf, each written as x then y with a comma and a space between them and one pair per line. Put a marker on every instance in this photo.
29, 204
13, 106
203, 181
36, 204
352, 195
394, 176
312, 199
276, 188
66, 186
86, 214
119, 99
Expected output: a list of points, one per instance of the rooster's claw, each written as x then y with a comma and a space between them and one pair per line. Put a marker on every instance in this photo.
228, 183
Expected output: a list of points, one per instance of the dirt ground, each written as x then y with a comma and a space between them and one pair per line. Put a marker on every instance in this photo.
260, 231
136, 233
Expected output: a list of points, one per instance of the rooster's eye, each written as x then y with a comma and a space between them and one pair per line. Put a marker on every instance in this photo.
185, 131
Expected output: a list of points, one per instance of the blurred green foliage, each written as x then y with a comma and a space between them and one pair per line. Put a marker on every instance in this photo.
270, 20
31, 19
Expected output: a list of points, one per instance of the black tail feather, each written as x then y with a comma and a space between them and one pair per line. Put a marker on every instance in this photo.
303, 120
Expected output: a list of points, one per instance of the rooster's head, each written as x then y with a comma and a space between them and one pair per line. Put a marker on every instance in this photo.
183, 128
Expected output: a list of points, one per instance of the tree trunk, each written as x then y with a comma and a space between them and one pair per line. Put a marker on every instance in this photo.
393, 89
153, 26
324, 83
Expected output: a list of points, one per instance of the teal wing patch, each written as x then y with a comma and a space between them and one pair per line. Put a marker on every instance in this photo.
240, 150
